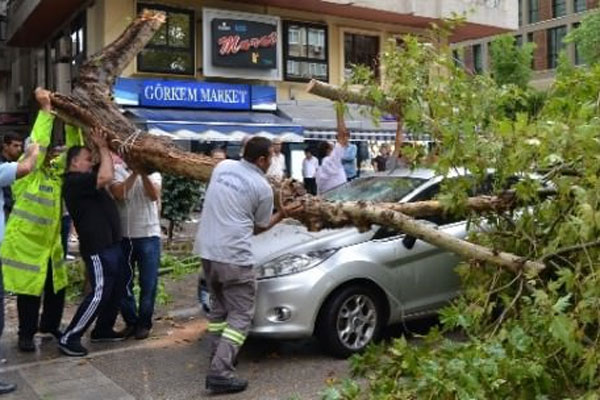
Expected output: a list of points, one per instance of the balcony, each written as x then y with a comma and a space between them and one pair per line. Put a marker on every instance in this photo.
32, 22
484, 17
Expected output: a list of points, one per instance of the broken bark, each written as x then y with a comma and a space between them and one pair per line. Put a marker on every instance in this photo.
90, 105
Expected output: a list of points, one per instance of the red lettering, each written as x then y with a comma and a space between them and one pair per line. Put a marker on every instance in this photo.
233, 44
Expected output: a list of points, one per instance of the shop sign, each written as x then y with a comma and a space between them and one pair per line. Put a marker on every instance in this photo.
239, 43
201, 95
193, 94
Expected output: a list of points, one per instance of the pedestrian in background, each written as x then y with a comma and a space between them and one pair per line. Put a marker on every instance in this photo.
309, 171
380, 162
96, 219
9, 172
12, 148
331, 173
137, 195
238, 204
32, 252
277, 170
349, 161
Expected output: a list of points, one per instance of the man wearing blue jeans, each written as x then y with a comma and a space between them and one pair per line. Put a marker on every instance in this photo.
137, 196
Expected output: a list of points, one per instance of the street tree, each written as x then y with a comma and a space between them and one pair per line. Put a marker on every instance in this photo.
511, 63
532, 327
586, 38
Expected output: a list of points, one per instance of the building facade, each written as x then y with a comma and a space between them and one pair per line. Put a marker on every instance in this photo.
240, 63
543, 22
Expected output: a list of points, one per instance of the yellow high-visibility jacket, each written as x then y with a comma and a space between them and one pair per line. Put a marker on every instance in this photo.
32, 237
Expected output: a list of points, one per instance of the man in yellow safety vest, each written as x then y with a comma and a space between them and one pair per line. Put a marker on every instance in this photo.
32, 253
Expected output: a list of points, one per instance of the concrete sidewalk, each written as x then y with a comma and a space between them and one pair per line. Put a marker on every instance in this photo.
169, 365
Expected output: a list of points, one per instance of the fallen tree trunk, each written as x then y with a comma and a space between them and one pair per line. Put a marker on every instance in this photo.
91, 105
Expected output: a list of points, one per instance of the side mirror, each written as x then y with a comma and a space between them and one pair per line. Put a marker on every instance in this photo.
409, 241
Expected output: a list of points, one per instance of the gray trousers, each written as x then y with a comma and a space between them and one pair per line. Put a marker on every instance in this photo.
233, 291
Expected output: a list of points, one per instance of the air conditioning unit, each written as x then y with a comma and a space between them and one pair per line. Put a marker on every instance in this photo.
21, 97
63, 50
62, 77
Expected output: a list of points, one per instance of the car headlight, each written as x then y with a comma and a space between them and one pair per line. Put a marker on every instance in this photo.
288, 264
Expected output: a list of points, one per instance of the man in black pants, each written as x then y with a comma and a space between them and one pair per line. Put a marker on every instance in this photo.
97, 222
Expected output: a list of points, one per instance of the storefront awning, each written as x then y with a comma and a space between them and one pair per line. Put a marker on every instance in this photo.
312, 134
214, 125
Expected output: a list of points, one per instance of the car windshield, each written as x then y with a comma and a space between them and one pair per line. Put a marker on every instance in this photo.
375, 188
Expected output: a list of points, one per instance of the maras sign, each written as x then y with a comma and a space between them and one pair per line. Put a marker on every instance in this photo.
244, 44
201, 95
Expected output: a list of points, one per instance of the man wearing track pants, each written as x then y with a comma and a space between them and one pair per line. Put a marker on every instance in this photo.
97, 222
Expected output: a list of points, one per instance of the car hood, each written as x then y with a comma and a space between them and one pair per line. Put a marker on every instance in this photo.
292, 237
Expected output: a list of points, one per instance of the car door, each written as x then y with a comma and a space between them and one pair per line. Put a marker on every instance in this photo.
424, 274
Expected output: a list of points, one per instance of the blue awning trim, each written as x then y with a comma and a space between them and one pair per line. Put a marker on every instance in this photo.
215, 125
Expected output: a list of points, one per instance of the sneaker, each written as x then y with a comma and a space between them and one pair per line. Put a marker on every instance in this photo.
72, 349
141, 333
110, 336
220, 384
26, 344
7, 387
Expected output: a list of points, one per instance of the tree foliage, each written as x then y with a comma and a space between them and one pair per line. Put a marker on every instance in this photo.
587, 39
179, 197
525, 336
511, 64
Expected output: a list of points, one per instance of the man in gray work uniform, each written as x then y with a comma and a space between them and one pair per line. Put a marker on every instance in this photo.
238, 203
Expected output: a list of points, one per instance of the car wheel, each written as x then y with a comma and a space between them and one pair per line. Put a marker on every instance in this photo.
350, 320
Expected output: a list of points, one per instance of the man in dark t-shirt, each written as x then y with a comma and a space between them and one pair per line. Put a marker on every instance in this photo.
97, 223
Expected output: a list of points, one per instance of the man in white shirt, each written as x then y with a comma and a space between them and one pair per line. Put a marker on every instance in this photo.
309, 171
277, 169
331, 172
137, 196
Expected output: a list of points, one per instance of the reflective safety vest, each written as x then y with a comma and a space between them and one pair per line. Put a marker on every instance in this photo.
32, 237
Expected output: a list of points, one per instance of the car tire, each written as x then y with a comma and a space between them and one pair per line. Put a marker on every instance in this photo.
351, 319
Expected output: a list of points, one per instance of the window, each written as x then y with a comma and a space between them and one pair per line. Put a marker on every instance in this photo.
519, 40
478, 58
305, 49
534, 11
171, 50
555, 44
360, 50
579, 5
78, 39
530, 40
559, 8
456, 58
578, 58
520, 12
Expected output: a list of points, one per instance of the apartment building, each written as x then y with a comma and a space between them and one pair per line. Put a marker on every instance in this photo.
543, 22
231, 89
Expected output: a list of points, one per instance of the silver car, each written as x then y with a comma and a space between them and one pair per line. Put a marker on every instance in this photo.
345, 286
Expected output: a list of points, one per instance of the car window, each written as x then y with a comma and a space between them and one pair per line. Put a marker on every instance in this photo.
375, 188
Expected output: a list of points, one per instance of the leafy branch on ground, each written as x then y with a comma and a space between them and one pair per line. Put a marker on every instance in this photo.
525, 336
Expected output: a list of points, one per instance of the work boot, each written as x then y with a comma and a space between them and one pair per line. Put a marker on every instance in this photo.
7, 387
56, 333
110, 336
73, 349
141, 333
127, 332
26, 344
220, 384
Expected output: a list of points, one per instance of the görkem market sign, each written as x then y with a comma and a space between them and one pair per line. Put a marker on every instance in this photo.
201, 95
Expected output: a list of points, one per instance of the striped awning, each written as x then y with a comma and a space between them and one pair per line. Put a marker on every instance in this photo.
386, 136
214, 125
